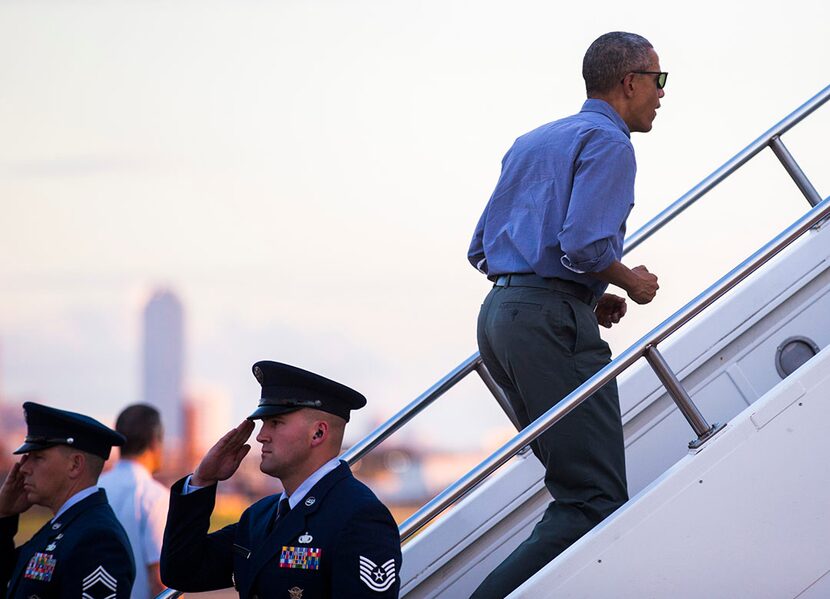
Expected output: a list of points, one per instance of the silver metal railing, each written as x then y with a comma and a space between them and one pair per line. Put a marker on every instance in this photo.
420, 403
771, 139
646, 347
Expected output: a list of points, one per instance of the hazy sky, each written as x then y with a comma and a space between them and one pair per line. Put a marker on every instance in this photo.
307, 175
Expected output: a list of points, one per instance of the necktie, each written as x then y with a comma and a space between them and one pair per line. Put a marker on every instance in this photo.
283, 509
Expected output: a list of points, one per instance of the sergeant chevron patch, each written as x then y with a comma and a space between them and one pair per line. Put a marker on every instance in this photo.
99, 585
377, 578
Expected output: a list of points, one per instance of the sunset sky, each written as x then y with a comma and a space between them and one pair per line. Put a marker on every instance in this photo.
307, 175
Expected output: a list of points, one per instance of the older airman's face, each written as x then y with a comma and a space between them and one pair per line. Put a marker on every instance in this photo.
45, 475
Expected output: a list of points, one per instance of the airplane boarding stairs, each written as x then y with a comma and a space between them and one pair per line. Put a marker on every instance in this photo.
738, 359
728, 359
745, 516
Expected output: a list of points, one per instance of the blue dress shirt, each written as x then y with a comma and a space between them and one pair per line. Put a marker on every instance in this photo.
560, 206
301, 491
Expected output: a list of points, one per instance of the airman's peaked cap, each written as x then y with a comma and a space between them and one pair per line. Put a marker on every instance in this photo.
287, 388
48, 427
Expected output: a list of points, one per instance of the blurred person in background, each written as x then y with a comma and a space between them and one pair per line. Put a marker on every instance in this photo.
138, 500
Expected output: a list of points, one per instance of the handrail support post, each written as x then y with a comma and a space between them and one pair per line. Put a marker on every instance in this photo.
794, 170
681, 398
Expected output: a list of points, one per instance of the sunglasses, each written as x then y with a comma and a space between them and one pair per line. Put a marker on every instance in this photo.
661, 77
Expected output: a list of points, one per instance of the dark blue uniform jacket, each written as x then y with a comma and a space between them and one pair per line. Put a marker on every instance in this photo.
83, 553
339, 541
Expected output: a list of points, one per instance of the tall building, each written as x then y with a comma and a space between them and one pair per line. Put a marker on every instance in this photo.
163, 373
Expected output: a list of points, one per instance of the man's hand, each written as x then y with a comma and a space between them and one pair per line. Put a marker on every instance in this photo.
610, 309
640, 284
222, 460
13, 499
643, 286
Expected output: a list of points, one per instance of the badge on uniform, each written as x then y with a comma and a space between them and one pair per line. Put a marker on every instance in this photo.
305, 558
377, 578
41, 567
99, 581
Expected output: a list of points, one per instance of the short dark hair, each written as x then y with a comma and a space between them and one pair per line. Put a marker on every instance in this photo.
611, 57
94, 463
141, 424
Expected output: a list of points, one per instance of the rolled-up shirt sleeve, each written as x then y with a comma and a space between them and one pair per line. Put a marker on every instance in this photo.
476, 252
601, 199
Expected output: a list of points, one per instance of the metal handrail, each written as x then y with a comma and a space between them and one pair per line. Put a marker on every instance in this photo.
612, 370
411, 410
726, 169
417, 405
770, 138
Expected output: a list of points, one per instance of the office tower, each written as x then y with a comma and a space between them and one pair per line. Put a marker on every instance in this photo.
163, 375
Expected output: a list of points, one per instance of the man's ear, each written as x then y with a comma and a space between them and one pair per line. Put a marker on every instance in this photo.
320, 434
77, 464
628, 85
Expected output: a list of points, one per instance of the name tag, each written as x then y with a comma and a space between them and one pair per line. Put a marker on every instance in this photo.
305, 558
40, 567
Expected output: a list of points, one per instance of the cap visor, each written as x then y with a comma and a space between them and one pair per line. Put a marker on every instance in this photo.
27, 447
269, 411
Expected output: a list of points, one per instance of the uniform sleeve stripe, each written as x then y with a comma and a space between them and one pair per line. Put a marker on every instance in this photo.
376, 587
101, 574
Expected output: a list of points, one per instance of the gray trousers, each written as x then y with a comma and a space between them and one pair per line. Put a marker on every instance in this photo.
539, 346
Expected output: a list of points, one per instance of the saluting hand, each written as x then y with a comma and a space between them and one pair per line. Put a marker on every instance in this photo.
223, 459
13, 498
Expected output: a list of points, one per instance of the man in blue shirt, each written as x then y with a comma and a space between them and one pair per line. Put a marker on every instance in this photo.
551, 240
